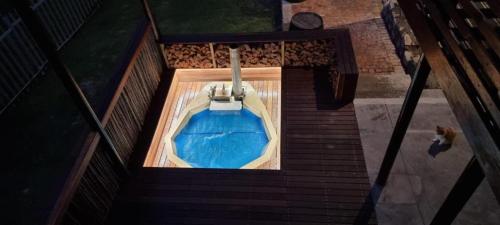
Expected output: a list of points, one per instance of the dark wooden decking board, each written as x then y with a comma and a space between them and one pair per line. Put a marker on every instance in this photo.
323, 178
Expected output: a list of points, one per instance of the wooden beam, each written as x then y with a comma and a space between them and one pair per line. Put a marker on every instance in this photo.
224, 74
149, 13
485, 28
41, 37
460, 95
464, 188
494, 6
72, 183
478, 47
252, 37
483, 83
404, 119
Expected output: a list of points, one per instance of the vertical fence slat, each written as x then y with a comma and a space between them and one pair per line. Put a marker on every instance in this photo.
69, 20
12, 63
52, 24
40, 59
62, 18
46, 20
76, 13
58, 20
8, 88
19, 50
27, 51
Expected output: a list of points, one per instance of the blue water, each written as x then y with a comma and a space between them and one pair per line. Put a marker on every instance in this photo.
221, 139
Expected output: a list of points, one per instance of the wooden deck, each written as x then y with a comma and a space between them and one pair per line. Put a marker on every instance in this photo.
322, 180
188, 83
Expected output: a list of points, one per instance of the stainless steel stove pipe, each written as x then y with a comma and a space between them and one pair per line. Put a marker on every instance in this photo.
235, 70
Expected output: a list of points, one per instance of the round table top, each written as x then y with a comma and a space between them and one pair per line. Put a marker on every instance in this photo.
307, 21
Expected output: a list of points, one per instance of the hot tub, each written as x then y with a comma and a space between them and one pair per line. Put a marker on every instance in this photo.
236, 139
221, 139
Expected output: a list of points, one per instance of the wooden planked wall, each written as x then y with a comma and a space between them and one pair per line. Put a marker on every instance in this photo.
91, 194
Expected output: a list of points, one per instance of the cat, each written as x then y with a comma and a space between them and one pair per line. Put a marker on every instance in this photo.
445, 135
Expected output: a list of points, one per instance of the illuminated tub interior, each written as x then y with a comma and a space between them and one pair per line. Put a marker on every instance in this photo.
241, 139
221, 139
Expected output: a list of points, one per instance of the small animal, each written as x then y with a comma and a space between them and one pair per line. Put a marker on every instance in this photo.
445, 135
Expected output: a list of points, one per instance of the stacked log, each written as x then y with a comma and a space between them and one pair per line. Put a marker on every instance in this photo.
309, 53
252, 55
189, 56
268, 54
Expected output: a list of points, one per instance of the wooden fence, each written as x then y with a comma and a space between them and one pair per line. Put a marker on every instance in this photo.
21, 60
90, 195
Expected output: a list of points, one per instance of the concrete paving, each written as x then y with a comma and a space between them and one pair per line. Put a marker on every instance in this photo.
419, 183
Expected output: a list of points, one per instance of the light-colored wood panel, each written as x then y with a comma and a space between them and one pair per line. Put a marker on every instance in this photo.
156, 143
273, 73
269, 96
174, 105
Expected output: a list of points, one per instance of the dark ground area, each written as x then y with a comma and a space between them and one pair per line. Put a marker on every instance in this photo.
41, 133
217, 16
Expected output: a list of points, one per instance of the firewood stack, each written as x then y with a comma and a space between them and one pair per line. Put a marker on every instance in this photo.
251, 55
189, 56
297, 53
309, 53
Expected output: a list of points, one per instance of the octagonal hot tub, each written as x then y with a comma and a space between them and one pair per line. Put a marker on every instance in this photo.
222, 139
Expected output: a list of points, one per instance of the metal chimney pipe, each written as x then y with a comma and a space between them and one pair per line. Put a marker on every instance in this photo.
235, 70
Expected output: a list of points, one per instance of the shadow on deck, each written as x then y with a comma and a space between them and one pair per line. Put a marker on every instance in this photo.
323, 178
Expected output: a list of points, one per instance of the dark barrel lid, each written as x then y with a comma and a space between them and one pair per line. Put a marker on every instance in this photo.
307, 21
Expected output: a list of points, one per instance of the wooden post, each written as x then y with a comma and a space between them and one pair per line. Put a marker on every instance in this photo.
156, 31
41, 37
346, 67
282, 43
404, 119
339, 87
152, 19
212, 53
461, 192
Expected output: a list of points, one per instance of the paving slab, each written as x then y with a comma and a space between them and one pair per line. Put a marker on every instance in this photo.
428, 116
401, 214
391, 85
398, 190
480, 206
